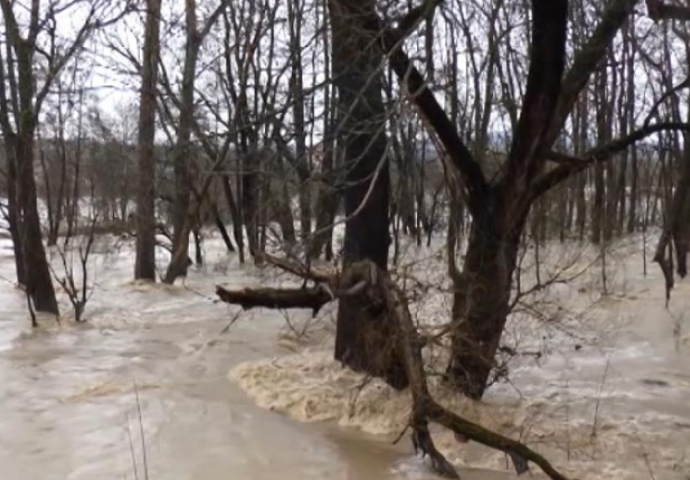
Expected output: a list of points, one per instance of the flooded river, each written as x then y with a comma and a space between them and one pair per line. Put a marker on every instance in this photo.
68, 405
69, 408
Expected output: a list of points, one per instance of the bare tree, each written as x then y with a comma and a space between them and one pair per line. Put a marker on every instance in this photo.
498, 189
362, 338
145, 266
20, 109
183, 213
500, 206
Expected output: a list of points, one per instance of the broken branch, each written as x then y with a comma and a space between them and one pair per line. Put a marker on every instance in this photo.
313, 298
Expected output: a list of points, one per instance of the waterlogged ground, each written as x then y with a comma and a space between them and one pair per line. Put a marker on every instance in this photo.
607, 399
68, 406
601, 387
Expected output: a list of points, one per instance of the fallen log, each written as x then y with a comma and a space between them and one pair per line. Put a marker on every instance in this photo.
313, 298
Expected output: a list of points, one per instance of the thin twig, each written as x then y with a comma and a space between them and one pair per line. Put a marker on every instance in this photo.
143, 436
131, 450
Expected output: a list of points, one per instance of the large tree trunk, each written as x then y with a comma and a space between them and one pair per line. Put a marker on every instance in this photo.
363, 332
39, 283
145, 266
182, 208
482, 299
27, 227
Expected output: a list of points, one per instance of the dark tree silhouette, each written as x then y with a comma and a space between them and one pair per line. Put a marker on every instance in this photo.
145, 265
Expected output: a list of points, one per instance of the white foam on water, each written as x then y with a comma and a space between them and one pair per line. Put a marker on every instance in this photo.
608, 368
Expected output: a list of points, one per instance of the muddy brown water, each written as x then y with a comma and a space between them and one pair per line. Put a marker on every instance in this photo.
69, 409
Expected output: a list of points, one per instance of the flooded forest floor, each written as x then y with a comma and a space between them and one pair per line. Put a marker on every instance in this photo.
156, 381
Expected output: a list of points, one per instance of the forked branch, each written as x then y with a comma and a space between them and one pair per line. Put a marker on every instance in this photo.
569, 165
390, 41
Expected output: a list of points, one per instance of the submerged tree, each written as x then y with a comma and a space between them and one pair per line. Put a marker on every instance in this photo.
500, 206
675, 237
499, 201
363, 332
145, 266
35, 55
184, 213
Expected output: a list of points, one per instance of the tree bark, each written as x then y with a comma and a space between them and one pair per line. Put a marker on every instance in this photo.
676, 229
282, 208
660, 10
38, 280
181, 210
184, 211
235, 214
39, 283
328, 197
599, 204
295, 16
277, 298
145, 264
362, 336
218, 220
482, 298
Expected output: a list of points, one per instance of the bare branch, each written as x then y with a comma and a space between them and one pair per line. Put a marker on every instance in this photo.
586, 60
423, 98
570, 165
547, 62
